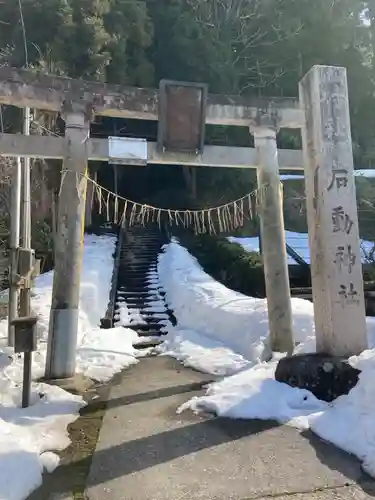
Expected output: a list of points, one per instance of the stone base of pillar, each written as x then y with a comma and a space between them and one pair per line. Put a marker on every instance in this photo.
327, 377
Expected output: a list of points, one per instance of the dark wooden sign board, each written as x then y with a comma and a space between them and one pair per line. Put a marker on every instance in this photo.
182, 116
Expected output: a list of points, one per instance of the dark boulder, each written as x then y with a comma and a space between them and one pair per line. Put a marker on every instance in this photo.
327, 377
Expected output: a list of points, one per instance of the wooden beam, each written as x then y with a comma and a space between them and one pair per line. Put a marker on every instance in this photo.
223, 156
26, 88
32, 146
35, 146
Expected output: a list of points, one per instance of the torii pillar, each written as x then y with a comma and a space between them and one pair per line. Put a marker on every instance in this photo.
275, 261
63, 324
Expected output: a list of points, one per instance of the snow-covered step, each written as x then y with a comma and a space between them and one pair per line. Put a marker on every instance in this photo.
140, 303
159, 316
156, 309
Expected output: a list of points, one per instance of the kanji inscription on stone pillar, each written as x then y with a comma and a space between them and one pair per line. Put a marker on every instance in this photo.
336, 267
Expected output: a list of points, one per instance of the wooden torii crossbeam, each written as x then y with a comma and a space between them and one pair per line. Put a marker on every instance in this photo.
322, 113
25, 88
49, 147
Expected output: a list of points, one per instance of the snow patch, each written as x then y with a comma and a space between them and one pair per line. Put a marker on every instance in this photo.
50, 461
29, 437
208, 308
299, 242
225, 333
366, 172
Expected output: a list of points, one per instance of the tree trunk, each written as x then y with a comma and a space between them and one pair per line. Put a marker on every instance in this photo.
190, 176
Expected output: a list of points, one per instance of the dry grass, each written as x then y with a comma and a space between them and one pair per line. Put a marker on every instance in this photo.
71, 476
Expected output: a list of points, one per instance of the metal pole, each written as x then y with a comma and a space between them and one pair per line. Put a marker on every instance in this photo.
14, 240
26, 243
26, 190
63, 325
26, 382
26, 216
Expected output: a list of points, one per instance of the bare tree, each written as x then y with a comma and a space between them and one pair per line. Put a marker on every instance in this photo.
239, 31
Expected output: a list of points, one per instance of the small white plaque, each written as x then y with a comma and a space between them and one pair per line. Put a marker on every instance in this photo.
127, 150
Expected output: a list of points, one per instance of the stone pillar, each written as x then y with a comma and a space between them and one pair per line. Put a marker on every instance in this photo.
273, 238
336, 267
63, 324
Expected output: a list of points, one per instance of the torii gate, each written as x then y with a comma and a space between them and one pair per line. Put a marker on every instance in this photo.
323, 115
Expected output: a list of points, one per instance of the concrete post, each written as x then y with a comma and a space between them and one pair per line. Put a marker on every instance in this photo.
62, 340
336, 267
273, 240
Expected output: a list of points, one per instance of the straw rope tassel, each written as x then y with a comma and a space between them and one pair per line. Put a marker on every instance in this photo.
250, 207
109, 194
211, 225
159, 218
115, 216
203, 222
223, 218
132, 214
99, 192
235, 215
221, 228
63, 175
196, 223
123, 217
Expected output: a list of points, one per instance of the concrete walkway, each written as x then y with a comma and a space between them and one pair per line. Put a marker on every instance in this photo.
148, 452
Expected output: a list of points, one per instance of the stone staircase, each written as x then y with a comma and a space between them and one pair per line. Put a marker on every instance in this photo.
140, 301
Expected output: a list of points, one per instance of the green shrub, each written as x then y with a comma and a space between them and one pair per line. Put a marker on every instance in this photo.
228, 263
42, 243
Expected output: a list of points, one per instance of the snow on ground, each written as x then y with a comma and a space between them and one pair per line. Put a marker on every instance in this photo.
30, 436
298, 241
224, 333
367, 172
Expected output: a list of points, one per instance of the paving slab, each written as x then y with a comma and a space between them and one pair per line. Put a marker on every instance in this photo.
348, 493
147, 452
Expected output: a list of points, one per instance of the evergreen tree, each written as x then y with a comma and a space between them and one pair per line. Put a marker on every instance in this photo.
252, 47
